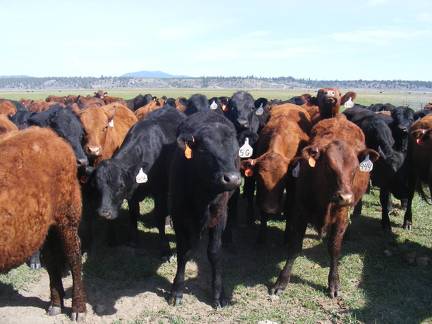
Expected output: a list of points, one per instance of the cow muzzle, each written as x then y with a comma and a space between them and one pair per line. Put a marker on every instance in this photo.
343, 198
230, 180
106, 213
94, 150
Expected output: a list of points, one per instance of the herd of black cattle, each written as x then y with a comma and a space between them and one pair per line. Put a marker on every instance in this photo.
190, 156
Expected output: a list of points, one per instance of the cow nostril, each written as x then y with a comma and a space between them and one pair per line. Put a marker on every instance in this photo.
232, 179
345, 198
82, 162
105, 214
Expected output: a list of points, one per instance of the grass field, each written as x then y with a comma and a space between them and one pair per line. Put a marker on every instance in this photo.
414, 99
383, 278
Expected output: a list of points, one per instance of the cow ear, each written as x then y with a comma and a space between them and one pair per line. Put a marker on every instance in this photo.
373, 155
186, 139
347, 96
311, 154
110, 111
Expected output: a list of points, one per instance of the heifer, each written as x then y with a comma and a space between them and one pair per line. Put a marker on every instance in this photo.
330, 99
280, 141
43, 207
105, 129
390, 171
145, 110
139, 101
196, 103
87, 102
140, 168
420, 161
330, 181
6, 125
181, 104
205, 171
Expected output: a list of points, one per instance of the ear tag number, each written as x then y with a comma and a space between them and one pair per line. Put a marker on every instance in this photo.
246, 150
366, 165
141, 177
213, 106
349, 103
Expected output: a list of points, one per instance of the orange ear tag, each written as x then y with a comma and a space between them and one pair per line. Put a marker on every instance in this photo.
248, 172
188, 152
311, 162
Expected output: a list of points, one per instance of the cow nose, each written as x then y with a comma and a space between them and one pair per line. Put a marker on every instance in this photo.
344, 198
83, 162
105, 213
231, 180
403, 128
94, 150
243, 122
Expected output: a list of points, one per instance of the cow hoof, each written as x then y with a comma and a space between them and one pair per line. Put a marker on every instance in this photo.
35, 265
77, 317
175, 300
219, 303
54, 310
334, 291
407, 226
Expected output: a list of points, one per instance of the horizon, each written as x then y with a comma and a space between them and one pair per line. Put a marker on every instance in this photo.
338, 40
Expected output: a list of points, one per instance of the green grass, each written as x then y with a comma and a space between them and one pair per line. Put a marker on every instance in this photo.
415, 99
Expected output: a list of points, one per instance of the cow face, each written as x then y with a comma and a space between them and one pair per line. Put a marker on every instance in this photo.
109, 183
330, 99
67, 125
212, 154
241, 111
403, 117
97, 122
335, 167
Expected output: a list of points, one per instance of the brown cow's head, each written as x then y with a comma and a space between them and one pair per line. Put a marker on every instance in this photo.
330, 100
270, 170
7, 108
97, 122
100, 94
336, 165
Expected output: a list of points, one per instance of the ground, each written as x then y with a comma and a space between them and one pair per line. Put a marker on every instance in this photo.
384, 278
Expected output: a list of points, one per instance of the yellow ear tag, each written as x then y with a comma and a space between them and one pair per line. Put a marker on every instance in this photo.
188, 152
311, 162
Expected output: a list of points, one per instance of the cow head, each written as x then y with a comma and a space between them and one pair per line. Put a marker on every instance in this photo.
212, 153
403, 117
97, 122
270, 170
100, 94
241, 109
336, 165
330, 99
7, 108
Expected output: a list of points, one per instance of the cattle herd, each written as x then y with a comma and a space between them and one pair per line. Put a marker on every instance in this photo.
67, 160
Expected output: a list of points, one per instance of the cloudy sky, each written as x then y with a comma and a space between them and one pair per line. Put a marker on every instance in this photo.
371, 39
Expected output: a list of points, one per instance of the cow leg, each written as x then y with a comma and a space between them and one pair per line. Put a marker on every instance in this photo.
183, 249
161, 212
358, 208
248, 192
72, 250
386, 207
262, 234
35, 262
297, 230
53, 260
215, 257
289, 202
227, 237
134, 213
334, 248
404, 203
407, 224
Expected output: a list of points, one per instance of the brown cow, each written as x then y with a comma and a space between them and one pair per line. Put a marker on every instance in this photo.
280, 140
40, 105
108, 100
6, 125
420, 162
87, 102
7, 108
330, 100
181, 104
151, 106
330, 181
106, 128
40, 201
60, 99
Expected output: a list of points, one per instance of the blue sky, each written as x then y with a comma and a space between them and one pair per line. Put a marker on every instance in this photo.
371, 39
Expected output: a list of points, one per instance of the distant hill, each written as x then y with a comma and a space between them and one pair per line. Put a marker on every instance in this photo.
14, 76
151, 74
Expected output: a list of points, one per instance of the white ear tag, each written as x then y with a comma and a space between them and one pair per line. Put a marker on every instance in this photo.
141, 177
111, 123
366, 165
246, 150
213, 106
296, 171
259, 111
349, 103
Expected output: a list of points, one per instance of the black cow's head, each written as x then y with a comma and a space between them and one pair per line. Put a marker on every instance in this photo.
403, 117
211, 150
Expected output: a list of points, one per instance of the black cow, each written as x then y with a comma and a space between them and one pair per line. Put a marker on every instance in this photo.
139, 101
196, 103
381, 107
419, 114
204, 174
390, 171
138, 169
216, 105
